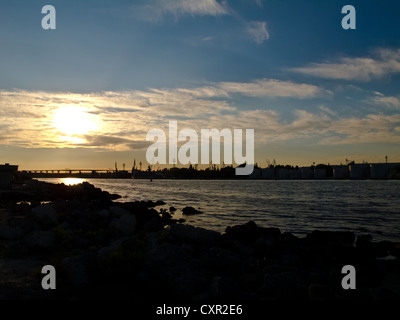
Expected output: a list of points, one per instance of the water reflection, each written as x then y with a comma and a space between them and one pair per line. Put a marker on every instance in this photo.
71, 181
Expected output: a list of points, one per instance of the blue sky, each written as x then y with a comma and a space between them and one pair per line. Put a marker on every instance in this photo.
312, 91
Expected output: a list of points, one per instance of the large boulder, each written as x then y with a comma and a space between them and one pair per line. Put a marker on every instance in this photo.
188, 233
38, 239
45, 215
225, 262
244, 232
10, 233
78, 269
118, 211
338, 238
126, 224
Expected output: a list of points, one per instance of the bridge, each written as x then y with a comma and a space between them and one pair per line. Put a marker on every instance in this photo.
79, 173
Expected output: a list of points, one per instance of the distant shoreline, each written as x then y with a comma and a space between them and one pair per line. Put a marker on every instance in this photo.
350, 171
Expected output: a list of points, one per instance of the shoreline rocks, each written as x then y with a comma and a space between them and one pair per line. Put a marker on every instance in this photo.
114, 250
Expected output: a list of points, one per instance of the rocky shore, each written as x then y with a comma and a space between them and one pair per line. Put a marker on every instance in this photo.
102, 249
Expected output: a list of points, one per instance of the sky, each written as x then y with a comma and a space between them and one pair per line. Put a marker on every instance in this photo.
85, 94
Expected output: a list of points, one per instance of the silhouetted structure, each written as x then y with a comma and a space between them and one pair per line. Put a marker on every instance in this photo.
7, 172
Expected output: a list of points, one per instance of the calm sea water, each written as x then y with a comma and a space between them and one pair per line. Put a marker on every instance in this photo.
365, 207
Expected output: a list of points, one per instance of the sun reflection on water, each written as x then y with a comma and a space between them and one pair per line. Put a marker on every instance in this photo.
71, 181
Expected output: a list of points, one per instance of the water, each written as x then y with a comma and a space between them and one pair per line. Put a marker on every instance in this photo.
365, 206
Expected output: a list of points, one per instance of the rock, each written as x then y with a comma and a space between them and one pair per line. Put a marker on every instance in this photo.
104, 213
45, 215
107, 251
16, 250
169, 261
395, 250
159, 203
378, 249
290, 259
188, 284
126, 224
38, 239
383, 248
322, 238
269, 232
226, 262
263, 247
250, 282
10, 233
166, 216
320, 292
76, 269
285, 285
245, 232
190, 211
224, 288
172, 209
188, 233
118, 211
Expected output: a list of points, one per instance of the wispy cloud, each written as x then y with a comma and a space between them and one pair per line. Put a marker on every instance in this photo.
272, 88
158, 9
257, 31
123, 118
384, 62
387, 101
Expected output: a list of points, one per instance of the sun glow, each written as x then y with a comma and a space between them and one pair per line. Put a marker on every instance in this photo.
74, 120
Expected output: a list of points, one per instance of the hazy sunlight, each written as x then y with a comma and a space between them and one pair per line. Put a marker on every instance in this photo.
74, 120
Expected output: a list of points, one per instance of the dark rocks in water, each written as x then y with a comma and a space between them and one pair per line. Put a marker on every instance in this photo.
395, 250
44, 191
166, 216
172, 209
250, 231
190, 211
379, 249
188, 233
322, 238
105, 249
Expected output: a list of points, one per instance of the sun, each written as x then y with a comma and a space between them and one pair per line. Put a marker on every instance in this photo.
73, 120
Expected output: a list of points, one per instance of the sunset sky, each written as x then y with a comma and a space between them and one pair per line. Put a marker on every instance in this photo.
85, 94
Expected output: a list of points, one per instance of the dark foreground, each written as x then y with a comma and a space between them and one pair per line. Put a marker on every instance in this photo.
110, 250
